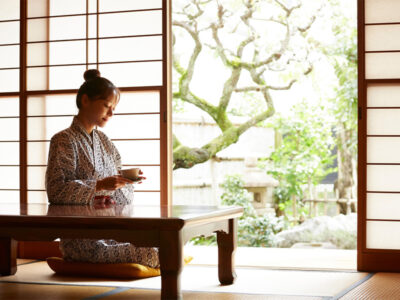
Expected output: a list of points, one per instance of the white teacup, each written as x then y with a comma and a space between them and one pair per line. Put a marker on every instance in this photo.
132, 174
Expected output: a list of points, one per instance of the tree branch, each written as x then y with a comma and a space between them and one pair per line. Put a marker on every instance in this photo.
187, 157
232, 81
185, 93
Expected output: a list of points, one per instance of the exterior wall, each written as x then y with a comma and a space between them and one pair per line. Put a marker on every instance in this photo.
195, 185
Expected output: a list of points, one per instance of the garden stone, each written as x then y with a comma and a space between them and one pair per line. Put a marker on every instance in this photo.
340, 230
315, 245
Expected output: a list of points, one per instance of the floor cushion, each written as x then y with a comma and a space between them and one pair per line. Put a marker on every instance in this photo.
119, 270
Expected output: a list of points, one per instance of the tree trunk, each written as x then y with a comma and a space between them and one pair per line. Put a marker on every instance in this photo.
345, 180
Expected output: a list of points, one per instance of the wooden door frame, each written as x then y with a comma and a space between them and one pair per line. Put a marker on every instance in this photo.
368, 260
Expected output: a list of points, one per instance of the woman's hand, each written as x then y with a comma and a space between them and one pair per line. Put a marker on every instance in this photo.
140, 178
102, 202
112, 183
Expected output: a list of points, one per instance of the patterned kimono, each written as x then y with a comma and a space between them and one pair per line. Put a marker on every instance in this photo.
76, 161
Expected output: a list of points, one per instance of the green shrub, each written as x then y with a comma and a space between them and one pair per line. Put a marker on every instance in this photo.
253, 230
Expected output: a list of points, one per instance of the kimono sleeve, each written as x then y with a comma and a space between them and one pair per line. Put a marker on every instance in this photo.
62, 186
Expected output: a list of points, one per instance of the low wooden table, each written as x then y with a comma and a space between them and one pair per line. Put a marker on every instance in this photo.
166, 227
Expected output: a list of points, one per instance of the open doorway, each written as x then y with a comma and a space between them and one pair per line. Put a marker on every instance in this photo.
265, 116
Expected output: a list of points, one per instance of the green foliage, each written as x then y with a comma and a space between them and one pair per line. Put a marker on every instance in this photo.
259, 231
344, 239
305, 154
253, 230
236, 194
343, 56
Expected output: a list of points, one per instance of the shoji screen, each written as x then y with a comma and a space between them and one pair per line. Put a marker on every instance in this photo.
379, 136
9, 101
41, 67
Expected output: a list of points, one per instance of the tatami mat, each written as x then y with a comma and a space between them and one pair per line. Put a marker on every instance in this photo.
279, 258
151, 295
381, 286
22, 261
19, 291
205, 279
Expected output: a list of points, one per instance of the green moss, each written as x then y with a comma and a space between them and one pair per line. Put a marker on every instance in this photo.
186, 157
235, 62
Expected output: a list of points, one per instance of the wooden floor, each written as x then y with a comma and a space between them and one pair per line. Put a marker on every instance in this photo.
34, 278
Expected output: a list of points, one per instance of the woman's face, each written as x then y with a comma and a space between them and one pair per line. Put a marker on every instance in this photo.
101, 110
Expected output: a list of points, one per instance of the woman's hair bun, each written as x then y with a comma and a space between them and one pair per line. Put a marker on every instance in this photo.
91, 74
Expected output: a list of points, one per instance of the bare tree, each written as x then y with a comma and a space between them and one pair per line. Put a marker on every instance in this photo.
273, 64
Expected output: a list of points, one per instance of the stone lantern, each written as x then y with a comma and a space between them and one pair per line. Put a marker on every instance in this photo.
260, 185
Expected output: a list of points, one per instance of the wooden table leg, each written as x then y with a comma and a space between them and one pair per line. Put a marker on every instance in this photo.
226, 253
171, 263
8, 257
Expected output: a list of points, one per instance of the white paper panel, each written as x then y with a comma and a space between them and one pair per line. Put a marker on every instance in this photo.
59, 53
133, 127
37, 30
92, 52
380, 37
59, 78
9, 80
38, 153
12, 132
37, 197
92, 6
9, 153
45, 128
37, 54
37, 8
9, 57
383, 235
130, 49
69, 7
65, 28
92, 26
383, 150
61, 28
133, 74
118, 5
146, 198
139, 152
37, 79
131, 23
383, 121
9, 32
382, 65
9, 177
383, 206
9, 9
8, 197
382, 11
52, 105
9, 107
36, 178
138, 102
381, 95
383, 178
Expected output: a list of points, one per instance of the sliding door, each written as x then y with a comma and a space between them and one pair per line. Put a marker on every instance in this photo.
379, 135
45, 47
